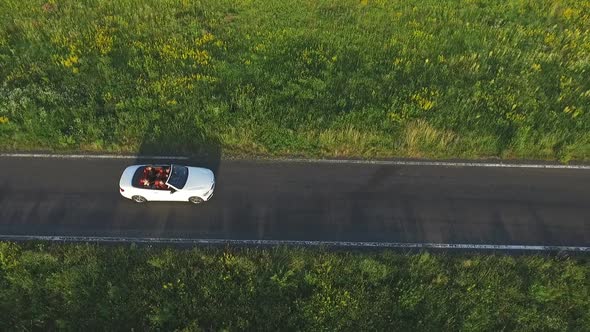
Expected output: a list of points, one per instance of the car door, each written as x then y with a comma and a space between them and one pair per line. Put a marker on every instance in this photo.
151, 194
168, 195
161, 195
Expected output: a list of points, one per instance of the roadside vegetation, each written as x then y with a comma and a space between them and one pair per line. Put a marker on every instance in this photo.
86, 287
366, 78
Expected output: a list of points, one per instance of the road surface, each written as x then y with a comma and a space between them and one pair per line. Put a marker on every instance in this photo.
263, 200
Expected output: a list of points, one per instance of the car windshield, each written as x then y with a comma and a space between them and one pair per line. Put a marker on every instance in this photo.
178, 176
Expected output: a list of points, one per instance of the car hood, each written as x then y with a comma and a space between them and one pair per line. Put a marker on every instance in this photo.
199, 178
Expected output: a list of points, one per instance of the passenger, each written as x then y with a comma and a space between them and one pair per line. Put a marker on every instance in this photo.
144, 182
161, 174
159, 184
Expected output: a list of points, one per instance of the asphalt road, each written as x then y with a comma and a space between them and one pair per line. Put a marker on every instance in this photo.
298, 201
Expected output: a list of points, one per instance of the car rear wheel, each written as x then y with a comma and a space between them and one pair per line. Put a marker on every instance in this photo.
139, 199
195, 200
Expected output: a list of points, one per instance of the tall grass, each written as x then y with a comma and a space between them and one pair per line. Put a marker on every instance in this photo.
76, 287
481, 77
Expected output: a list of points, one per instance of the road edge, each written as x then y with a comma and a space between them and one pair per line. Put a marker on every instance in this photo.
315, 161
295, 243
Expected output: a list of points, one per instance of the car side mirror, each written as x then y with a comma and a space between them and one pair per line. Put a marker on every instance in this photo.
172, 190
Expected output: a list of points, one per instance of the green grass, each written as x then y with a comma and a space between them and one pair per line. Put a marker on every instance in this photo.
355, 78
85, 287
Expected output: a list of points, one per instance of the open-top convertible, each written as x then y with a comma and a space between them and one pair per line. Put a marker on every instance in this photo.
142, 183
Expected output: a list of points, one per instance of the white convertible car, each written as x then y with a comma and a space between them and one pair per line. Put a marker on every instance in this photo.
142, 183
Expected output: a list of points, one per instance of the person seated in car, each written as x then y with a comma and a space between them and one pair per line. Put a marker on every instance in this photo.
159, 184
160, 173
144, 182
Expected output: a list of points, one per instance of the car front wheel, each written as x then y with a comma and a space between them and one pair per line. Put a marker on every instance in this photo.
139, 199
195, 200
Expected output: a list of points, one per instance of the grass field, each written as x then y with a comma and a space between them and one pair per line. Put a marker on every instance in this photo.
364, 78
84, 287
